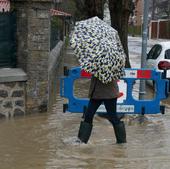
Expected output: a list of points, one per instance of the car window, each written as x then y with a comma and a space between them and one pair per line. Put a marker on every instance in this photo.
167, 54
154, 52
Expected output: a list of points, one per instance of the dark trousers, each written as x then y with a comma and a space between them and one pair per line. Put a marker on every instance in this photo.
110, 105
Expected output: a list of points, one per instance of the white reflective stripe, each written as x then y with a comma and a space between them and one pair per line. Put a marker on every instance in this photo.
125, 108
130, 73
122, 89
120, 108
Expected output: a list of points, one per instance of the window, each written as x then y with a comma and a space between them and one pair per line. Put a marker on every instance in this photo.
154, 52
167, 54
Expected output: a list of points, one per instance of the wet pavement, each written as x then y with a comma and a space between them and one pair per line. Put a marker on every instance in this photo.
47, 141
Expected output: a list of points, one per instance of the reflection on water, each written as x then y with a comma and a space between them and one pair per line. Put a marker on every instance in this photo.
47, 141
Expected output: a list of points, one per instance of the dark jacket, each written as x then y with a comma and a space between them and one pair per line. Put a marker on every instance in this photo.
99, 90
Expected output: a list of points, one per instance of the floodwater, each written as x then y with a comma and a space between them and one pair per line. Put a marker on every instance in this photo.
47, 141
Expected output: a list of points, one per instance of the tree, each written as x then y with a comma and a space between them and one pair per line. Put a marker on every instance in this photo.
160, 9
89, 8
94, 8
80, 13
120, 11
164, 9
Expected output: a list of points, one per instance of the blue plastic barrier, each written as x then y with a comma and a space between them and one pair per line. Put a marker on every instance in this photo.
129, 105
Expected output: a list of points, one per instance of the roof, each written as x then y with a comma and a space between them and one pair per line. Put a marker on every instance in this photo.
55, 12
4, 5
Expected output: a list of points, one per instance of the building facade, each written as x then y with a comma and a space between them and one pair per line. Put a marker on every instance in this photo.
138, 12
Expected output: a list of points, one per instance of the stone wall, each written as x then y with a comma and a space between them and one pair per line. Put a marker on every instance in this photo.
33, 36
33, 52
12, 99
12, 92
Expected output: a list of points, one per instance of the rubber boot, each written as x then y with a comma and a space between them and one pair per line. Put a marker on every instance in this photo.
120, 132
85, 131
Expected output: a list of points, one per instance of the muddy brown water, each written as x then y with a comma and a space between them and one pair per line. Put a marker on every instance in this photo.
47, 141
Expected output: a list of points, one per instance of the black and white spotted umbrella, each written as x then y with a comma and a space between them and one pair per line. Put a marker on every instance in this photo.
98, 48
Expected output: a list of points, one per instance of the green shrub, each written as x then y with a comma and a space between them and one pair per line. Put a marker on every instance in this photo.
134, 30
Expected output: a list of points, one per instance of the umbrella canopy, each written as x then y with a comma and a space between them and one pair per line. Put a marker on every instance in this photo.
98, 48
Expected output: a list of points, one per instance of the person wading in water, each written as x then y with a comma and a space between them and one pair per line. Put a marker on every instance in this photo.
107, 94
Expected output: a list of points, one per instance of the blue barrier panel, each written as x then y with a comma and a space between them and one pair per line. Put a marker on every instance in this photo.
129, 105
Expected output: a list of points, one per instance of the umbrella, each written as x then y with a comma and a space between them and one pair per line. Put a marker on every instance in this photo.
98, 48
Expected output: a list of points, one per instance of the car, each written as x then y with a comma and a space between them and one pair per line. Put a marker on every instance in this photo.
158, 58
159, 52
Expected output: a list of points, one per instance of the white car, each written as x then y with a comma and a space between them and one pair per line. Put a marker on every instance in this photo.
159, 52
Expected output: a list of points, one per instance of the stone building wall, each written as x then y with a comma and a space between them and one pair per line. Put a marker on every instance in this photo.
12, 92
33, 37
31, 87
12, 99
37, 61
